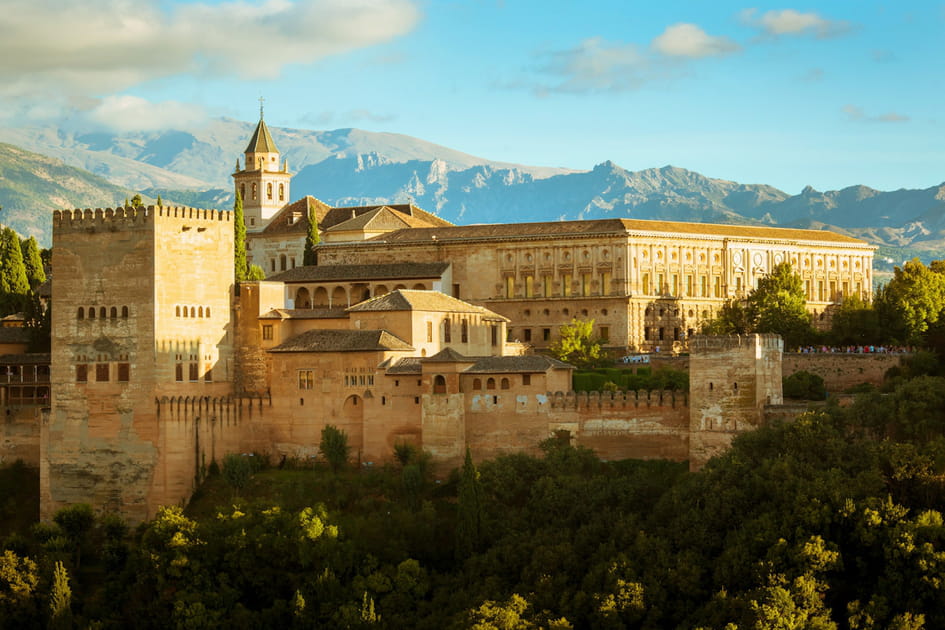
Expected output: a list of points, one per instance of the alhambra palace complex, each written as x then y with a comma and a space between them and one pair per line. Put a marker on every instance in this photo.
408, 329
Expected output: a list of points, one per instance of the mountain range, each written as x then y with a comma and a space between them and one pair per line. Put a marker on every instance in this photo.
45, 168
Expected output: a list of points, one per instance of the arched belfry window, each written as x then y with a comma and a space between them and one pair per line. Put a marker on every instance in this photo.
439, 384
281, 192
269, 190
254, 192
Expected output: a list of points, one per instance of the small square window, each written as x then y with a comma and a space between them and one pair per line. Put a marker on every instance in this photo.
526, 379
124, 372
267, 332
101, 372
81, 373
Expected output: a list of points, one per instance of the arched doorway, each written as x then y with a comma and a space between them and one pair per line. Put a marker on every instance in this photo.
320, 297
339, 298
439, 384
302, 299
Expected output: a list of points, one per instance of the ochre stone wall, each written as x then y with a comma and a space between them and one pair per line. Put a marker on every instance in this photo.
841, 371
20, 434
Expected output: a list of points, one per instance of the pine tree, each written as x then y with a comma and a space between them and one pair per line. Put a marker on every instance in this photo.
35, 274
239, 240
469, 516
311, 239
14, 287
60, 599
136, 201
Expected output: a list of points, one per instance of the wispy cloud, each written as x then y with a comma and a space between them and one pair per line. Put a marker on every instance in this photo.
101, 46
856, 113
789, 22
596, 64
353, 116
130, 113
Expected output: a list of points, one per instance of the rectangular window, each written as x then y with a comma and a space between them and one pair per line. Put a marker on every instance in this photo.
660, 284
124, 372
661, 333
738, 286
820, 290
464, 331
81, 373
527, 334
646, 284
585, 284
845, 289
194, 372
605, 333
267, 332
688, 286
208, 373
510, 287
447, 333
429, 332
605, 282
717, 282
529, 286
676, 334
705, 286
833, 290
101, 372
272, 264
546, 334
526, 379
646, 333
546, 286
807, 293
566, 282
179, 372
495, 335
675, 284
456, 291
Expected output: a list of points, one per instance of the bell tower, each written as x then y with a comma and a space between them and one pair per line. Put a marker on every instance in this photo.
264, 182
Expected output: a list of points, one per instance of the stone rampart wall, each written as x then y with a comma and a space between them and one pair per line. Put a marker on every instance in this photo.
841, 371
19, 435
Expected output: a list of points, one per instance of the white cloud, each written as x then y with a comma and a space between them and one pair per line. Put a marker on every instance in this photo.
100, 46
688, 40
130, 113
856, 113
782, 22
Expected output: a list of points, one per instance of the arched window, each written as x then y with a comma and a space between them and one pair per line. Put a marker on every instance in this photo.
477, 383
464, 331
113, 312
124, 312
243, 191
206, 312
439, 384
91, 312
505, 383
177, 311
254, 192
185, 311
447, 334
81, 313
199, 311
102, 313
281, 192
490, 384
269, 191
193, 312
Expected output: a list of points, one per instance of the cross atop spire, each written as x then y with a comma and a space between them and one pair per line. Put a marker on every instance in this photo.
261, 99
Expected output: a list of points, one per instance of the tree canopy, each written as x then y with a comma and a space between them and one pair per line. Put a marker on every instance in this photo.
312, 239
577, 343
240, 266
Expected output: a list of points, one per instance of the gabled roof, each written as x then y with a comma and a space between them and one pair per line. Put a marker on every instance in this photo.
261, 142
615, 227
415, 300
448, 355
343, 341
279, 224
406, 365
377, 220
524, 363
328, 217
341, 273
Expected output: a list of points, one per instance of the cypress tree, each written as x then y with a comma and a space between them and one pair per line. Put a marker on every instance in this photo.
14, 287
35, 274
311, 239
60, 599
239, 240
159, 203
469, 513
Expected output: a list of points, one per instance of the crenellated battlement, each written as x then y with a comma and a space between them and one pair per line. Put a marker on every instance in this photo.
618, 400
717, 343
130, 217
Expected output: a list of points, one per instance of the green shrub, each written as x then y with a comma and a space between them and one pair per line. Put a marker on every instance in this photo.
804, 386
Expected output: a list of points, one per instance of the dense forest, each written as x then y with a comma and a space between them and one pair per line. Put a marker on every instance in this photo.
831, 521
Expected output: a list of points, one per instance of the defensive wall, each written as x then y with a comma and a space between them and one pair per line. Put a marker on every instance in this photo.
841, 370
20, 434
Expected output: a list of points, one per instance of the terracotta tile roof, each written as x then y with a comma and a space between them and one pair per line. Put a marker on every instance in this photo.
410, 300
524, 363
448, 355
305, 313
379, 219
27, 358
329, 217
261, 142
341, 273
343, 341
607, 226
407, 365
14, 334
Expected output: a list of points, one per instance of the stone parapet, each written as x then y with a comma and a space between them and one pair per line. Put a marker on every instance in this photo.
129, 217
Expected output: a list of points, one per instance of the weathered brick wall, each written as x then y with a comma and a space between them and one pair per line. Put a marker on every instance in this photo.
841, 371
19, 435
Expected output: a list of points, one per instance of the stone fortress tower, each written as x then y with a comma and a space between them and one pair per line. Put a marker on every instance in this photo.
731, 380
264, 182
141, 357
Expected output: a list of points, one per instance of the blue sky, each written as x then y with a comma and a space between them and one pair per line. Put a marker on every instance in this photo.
829, 94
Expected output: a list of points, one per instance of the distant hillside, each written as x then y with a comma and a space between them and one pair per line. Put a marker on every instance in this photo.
351, 166
33, 185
